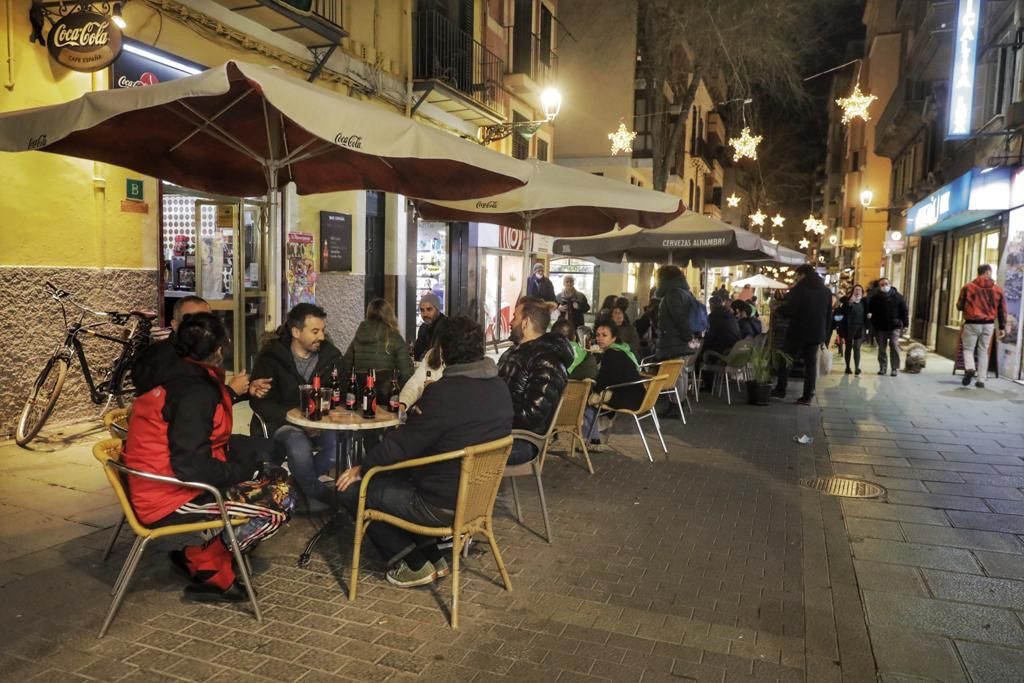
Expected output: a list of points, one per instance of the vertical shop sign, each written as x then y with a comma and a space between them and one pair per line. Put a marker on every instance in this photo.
301, 269
961, 87
335, 242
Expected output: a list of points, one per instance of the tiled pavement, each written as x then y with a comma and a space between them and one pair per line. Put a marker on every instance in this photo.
939, 561
710, 564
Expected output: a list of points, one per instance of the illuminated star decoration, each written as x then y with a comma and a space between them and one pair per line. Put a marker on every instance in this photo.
856, 105
804, 243
812, 224
777, 220
773, 240
732, 200
622, 139
757, 218
745, 145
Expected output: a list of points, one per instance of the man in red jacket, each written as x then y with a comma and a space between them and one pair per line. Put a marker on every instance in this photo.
983, 304
180, 427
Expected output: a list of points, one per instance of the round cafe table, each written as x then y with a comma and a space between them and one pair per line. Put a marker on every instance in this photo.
349, 423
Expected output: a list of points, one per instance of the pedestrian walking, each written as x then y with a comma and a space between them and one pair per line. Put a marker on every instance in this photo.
853, 316
808, 308
983, 305
888, 315
539, 286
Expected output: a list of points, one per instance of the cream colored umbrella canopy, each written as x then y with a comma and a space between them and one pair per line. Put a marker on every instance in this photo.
759, 281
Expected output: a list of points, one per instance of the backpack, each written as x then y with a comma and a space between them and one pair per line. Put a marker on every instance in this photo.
698, 317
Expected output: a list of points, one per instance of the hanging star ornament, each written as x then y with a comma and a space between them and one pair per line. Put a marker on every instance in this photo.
777, 220
732, 200
856, 105
757, 218
745, 145
773, 240
804, 243
812, 224
622, 139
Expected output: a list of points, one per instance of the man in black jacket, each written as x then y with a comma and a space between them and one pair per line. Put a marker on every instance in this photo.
433, 320
809, 310
539, 285
888, 314
674, 333
535, 372
469, 405
298, 353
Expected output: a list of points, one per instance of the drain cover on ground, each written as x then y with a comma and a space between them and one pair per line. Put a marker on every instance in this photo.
846, 488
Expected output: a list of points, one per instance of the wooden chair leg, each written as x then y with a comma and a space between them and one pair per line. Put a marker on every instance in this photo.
543, 503
497, 558
357, 544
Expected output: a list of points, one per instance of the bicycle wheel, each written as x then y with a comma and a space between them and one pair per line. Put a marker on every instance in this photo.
122, 389
40, 402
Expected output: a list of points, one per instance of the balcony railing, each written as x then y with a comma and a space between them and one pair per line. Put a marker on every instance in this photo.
532, 56
328, 10
443, 52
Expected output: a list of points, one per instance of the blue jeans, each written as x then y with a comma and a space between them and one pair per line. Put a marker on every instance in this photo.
305, 466
522, 451
590, 427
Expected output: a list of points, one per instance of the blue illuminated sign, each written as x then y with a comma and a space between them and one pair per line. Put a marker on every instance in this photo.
974, 195
961, 87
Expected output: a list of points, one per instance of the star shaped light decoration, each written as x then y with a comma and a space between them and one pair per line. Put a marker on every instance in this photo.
773, 240
757, 218
856, 105
745, 145
811, 224
777, 220
804, 243
622, 139
732, 200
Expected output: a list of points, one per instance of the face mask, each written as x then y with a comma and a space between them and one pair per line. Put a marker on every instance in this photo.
855, 298
886, 289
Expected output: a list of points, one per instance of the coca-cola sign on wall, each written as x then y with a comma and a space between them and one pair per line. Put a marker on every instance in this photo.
84, 41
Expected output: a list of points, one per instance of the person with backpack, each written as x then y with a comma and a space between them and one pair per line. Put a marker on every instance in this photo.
680, 318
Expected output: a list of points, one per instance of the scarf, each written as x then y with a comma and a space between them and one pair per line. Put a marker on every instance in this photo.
619, 346
579, 355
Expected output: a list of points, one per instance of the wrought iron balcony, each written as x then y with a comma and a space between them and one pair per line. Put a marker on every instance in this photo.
445, 55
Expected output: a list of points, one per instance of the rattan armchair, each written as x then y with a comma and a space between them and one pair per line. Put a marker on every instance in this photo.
673, 369
482, 467
569, 419
116, 422
646, 410
108, 452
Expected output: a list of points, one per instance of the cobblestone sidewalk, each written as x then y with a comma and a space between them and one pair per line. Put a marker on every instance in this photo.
709, 564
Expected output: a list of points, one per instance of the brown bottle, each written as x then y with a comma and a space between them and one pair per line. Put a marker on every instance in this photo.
314, 400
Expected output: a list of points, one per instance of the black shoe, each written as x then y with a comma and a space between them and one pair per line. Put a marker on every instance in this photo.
857, 371
848, 371
180, 564
805, 400
882, 371
778, 394
894, 372
968, 375
979, 384
206, 592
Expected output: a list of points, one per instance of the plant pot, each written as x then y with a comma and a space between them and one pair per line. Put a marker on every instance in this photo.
758, 393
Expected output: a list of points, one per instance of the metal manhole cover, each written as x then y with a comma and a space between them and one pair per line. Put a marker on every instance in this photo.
845, 488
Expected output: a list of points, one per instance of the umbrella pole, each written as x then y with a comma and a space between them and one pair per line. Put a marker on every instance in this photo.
275, 287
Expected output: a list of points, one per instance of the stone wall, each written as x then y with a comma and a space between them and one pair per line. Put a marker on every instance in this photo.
31, 325
341, 295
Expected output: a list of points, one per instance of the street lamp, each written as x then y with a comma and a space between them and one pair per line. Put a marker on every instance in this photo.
865, 198
551, 102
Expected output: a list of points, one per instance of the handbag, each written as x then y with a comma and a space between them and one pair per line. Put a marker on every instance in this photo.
824, 361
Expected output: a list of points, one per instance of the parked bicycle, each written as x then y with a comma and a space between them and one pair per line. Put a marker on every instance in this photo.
109, 385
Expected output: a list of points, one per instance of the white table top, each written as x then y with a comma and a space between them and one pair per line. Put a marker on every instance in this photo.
345, 420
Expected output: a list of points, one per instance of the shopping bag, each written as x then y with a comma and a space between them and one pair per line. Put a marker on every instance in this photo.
824, 361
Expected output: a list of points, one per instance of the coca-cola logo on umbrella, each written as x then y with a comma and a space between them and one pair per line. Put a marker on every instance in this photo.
84, 41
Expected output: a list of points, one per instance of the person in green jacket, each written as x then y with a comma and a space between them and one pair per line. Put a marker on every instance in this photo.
584, 365
377, 345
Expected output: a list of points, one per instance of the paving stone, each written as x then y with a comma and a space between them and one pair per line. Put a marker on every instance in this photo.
1001, 564
935, 500
1007, 507
976, 589
990, 663
962, 538
987, 521
915, 554
954, 620
892, 578
977, 490
899, 513
901, 651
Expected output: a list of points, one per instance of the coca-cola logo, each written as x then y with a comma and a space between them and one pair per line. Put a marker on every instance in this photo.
148, 78
492, 204
84, 41
350, 141
37, 142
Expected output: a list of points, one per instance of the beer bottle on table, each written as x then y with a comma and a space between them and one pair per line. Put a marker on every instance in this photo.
369, 397
314, 400
350, 393
393, 402
335, 389
325, 399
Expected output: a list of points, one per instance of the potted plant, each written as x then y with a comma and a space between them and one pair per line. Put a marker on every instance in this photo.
761, 361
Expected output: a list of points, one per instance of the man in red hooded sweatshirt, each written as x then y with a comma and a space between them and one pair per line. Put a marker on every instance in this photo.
983, 305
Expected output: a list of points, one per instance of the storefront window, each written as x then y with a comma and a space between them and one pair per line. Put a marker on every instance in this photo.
432, 262
501, 276
583, 272
970, 252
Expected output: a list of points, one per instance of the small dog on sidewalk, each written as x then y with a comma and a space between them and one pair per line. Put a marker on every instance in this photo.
916, 356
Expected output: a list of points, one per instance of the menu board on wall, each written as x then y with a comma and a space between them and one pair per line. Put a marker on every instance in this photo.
335, 241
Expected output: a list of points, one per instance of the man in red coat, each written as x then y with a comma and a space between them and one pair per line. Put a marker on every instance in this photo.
983, 305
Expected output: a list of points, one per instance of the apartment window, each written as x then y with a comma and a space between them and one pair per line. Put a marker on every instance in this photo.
693, 131
691, 194
546, 22
520, 145
698, 206
644, 141
855, 161
852, 219
542, 149
716, 196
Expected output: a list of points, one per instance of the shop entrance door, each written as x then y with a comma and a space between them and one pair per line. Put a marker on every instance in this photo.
231, 268
500, 280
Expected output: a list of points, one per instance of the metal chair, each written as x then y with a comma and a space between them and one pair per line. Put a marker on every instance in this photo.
733, 367
569, 419
108, 453
533, 467
646, 410
479, 480
673, 368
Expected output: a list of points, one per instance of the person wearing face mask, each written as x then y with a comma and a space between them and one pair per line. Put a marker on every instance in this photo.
853, 312
539, 285
889, 316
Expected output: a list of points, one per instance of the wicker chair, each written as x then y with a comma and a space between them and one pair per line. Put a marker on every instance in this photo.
646, 409
482, 467
569, 419
534, 468
673, 368
108, 452
733, 366
116, 422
